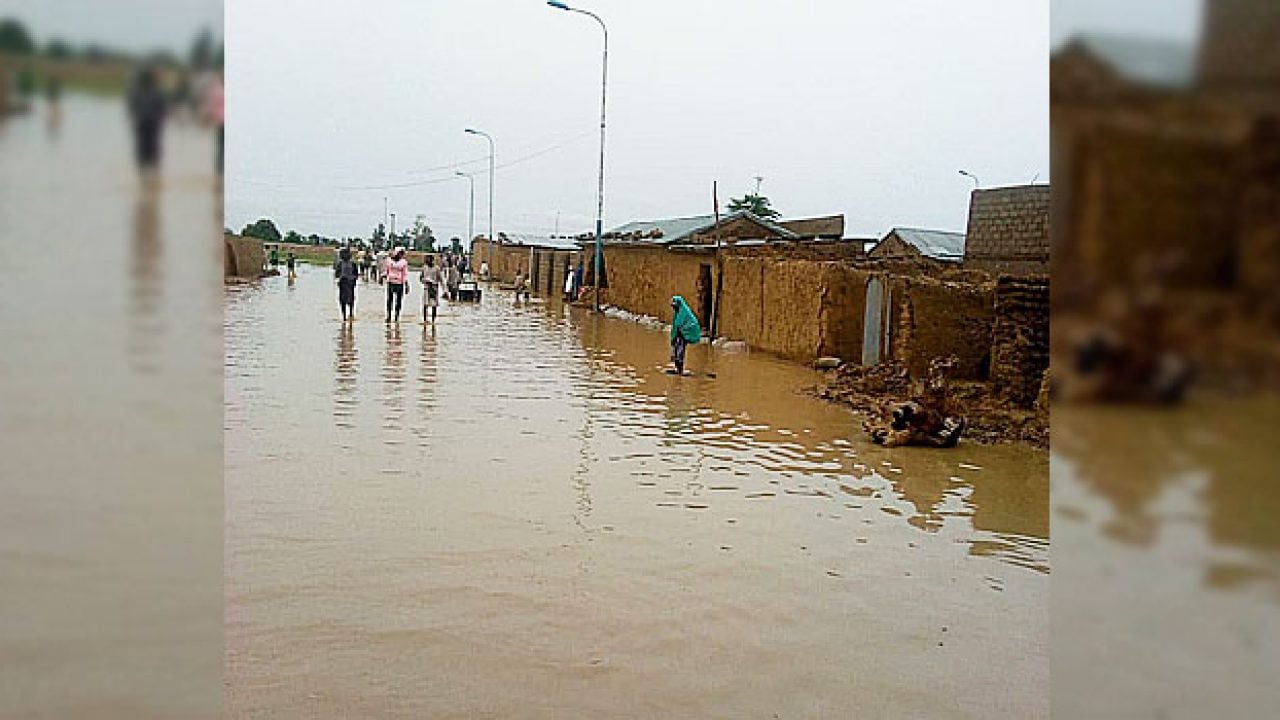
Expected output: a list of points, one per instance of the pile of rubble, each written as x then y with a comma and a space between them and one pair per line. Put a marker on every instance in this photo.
991, 418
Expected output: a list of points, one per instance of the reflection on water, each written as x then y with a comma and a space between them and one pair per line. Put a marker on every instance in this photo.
519, 508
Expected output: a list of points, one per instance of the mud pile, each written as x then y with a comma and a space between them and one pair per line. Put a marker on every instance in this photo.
992, 419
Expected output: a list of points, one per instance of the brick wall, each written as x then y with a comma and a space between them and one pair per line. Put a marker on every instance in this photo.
1009, 230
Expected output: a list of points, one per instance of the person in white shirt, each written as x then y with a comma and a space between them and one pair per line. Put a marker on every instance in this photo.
431, 280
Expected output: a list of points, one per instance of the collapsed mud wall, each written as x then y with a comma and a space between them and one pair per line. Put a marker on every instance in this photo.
1020, 339
242, 257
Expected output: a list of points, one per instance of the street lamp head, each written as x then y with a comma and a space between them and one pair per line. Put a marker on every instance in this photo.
558, 5
459, 173
473, 131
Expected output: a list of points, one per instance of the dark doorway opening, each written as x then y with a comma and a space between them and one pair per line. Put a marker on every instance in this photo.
705, 295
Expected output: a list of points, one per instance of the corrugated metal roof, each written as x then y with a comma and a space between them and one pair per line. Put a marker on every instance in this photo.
676, 229
673, 229
540, 241
1148, 61
936, 244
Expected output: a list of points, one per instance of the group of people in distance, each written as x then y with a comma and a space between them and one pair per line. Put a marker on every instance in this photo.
438, 280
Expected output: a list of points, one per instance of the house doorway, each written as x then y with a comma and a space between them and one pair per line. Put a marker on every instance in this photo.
872, 321
705, 296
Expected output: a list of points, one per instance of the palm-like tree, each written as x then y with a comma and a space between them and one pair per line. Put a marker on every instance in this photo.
757, 205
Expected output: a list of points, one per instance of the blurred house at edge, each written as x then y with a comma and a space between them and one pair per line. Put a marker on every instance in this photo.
1166, 204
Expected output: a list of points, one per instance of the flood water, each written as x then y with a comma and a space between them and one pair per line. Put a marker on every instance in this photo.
517, 514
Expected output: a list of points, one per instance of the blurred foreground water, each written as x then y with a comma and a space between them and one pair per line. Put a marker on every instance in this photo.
110, 387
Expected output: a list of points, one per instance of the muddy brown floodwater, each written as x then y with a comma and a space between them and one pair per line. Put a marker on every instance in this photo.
517, 514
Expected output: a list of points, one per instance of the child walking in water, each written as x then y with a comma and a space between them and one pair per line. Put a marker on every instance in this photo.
430, 277
397, 283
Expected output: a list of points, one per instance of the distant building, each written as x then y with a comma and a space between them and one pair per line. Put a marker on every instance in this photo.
916, 244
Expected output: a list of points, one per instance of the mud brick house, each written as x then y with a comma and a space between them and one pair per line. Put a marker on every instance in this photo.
914, 245
1008, 230
1155, 145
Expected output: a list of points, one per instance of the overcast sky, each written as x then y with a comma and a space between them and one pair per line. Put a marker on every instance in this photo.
867, 109
863, 108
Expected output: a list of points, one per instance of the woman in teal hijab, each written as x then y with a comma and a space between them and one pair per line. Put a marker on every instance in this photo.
684, 330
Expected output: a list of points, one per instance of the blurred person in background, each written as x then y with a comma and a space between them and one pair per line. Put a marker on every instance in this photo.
147, 109
453, 278
214, 113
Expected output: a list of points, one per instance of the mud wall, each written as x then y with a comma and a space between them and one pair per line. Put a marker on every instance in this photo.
800, 309
242, 257
1020, 339
932, 318
505, 261
643, 278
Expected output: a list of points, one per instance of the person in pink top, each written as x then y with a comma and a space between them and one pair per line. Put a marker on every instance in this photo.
214, 113
397, 282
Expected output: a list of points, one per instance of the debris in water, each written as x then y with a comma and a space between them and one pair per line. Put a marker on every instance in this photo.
967, 466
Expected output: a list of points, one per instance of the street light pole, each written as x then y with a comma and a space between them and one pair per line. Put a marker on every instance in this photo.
604, 93
393, 229
471, 207
492, 238
976, 183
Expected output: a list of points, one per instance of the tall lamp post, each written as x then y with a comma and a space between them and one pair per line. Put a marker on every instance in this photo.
604, 93
976, 183
492, 238
471, 207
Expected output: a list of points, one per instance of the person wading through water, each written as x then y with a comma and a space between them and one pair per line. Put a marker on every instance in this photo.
430, 278
684, 330
397, 283
347, 272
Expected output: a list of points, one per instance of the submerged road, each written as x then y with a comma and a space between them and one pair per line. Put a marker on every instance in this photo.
517, 514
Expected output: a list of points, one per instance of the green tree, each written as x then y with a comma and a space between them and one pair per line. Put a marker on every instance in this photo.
379, 236
455, 245
14, 38
263, 229
202, 55
58, 49
293, 237
757, 205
